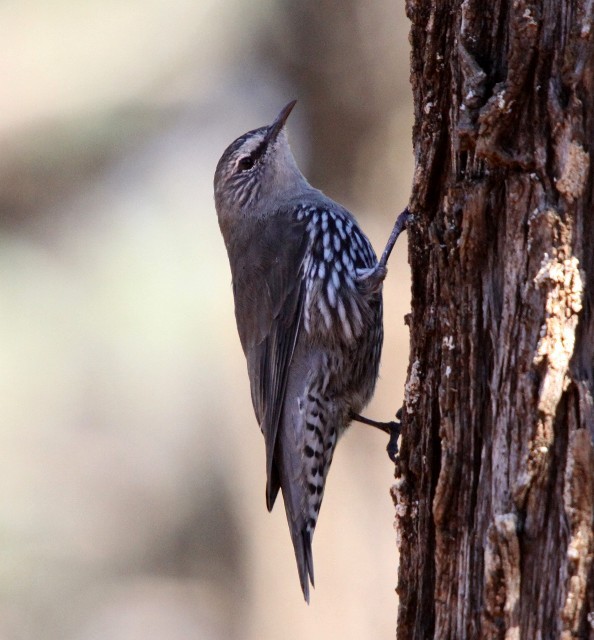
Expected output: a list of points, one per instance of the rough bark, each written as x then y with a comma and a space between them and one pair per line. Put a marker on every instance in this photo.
495, 483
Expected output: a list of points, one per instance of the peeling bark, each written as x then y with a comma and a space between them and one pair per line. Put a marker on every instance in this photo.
495, 482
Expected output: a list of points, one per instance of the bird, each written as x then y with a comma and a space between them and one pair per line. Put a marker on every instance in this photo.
307, 287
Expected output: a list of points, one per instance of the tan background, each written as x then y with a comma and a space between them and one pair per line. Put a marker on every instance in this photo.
132, 492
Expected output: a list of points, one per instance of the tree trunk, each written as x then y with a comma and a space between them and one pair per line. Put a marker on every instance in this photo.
495, 482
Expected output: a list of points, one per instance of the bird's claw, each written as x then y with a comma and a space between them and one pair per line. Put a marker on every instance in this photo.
391, 428
392, 447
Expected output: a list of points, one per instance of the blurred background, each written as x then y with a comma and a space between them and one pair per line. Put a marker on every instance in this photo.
132, 491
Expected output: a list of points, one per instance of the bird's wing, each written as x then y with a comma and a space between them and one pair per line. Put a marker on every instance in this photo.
269, 292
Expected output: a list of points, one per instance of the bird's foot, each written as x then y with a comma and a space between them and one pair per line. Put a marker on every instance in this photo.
392, 447
399, 226
369, 281
391, 428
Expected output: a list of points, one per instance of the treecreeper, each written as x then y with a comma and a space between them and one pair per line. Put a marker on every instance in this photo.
308, 305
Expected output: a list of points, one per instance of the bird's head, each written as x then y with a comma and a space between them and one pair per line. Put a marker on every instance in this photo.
256, 173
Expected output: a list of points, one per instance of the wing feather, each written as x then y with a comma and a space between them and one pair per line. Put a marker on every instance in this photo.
269, 291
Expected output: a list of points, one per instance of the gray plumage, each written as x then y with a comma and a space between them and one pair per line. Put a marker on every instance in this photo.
308, 306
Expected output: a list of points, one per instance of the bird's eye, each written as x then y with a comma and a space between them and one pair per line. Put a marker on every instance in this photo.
245, 163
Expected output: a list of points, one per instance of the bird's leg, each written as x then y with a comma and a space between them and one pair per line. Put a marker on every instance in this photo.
391, 428
399, 226
372, 280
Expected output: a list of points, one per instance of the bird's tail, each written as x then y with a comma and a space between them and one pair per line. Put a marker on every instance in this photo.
302, 544
301, 537
295, 498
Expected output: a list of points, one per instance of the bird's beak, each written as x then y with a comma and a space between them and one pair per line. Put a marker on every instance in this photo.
276, 127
